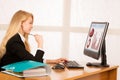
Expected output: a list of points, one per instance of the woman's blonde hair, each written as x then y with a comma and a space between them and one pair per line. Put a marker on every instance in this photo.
18, 18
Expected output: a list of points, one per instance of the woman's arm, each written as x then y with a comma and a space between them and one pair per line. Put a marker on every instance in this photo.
18, 49
60, 60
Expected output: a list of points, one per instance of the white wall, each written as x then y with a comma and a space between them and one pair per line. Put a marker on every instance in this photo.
82, 11
85, 11
44, 10
109, 11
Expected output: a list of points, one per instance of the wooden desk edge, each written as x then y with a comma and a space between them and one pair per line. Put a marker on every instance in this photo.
93, 73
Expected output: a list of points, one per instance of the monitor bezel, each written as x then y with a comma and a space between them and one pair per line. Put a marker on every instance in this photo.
91, 53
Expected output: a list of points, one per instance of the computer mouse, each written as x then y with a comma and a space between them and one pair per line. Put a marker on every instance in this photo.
89, 64
58, 66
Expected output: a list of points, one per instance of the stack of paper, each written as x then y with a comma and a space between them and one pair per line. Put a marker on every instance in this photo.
35, 72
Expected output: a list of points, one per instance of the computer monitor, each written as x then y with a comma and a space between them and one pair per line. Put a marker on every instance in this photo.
95, 43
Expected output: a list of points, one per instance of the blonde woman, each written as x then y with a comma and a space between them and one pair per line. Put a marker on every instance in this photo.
15, 47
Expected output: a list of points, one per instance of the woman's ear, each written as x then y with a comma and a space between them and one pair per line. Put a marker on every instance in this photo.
22, 24
21, 27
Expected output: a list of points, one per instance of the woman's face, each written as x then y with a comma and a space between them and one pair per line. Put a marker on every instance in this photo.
27, 25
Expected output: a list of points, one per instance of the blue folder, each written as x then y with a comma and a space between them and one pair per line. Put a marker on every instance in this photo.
23, 65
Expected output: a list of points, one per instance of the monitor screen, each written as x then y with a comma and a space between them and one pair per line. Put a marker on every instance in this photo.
95, 39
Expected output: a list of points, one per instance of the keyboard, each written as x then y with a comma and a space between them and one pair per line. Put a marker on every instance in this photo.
72, 64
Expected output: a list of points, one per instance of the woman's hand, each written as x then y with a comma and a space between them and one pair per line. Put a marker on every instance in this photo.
60, 60
39, 40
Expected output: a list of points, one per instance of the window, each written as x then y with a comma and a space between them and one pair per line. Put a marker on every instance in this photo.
46, 12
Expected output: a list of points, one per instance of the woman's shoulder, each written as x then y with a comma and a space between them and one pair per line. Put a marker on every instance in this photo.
15, 38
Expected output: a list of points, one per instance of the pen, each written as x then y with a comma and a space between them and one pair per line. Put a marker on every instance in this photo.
31, 34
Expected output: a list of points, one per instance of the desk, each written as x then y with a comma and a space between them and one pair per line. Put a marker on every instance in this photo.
88, 73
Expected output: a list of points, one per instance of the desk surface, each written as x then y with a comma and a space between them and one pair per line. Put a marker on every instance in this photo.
71, 74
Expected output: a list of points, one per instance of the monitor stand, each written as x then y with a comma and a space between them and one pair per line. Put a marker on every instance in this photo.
103, 58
